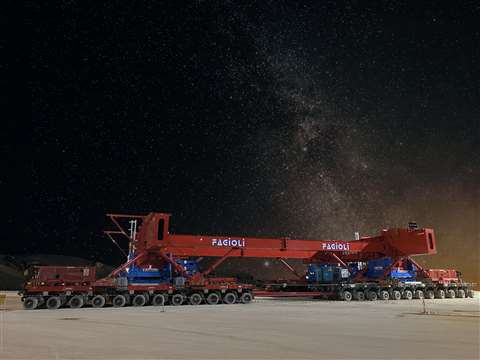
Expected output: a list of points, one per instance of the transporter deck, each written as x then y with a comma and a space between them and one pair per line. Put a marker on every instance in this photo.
369, 291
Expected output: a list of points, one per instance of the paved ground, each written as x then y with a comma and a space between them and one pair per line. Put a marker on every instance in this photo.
266, 329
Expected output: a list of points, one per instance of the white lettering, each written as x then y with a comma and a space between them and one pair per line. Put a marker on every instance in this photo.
228, 242
336, 246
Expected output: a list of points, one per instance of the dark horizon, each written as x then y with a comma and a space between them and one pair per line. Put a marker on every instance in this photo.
265, 119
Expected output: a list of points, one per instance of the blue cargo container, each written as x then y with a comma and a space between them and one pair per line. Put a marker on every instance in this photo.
403, 274
329, 273
137, 275
377, 267
325, 273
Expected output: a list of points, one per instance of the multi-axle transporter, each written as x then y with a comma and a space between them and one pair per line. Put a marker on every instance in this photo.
163, 268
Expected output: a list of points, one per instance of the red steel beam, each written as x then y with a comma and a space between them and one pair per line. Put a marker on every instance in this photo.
128, 263
171, 260
289, 267
217, 263
392, 243
338, 259
109, 234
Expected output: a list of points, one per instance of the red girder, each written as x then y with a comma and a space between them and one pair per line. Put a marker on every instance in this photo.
153, 238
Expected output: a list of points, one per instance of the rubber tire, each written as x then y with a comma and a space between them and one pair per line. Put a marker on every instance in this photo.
419, 294
440, 294
384, 295
119, 301
213, 299
408, 295
230, 298
451, 294
461, 293
159, 300
195, 299
372, 295
360, 296
347, 296
147, 298
30, 303
471, 294
177, 299
98, 301
53, 303
396, 295
139, 300
76, 302
430, 294
246, 298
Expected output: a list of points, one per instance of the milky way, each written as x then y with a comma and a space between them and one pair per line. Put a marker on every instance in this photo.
251, 119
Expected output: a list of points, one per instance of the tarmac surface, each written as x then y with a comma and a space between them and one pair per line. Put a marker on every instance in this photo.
264, 329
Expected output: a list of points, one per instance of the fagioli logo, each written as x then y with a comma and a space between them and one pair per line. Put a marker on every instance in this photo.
336, 246
228, 242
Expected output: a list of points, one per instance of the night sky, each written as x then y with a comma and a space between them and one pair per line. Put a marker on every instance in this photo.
268, 118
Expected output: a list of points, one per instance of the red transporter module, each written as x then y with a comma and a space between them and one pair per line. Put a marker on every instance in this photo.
72, 281
160, 270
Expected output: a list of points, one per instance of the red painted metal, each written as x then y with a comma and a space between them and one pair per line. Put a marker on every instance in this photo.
153, 235
289, 267
338, 259
443, 276
61, 279
156, 246
127, 264
200, 277
62, 275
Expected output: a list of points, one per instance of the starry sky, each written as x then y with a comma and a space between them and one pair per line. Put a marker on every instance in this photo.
267, 118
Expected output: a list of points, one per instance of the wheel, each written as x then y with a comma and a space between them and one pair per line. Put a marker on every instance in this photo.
430, 294
230, 298
419, 294
372, 295
119, 301
177, 299
139, 300
347, 296
451, 294
147, 298
98, 301
384, 295
396, 295
461, 293
440, 294
360, 296
213, 299
195, 299
408, 295
246, 298
30, 303
76, 302
470, 293
53, 303
159, 300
